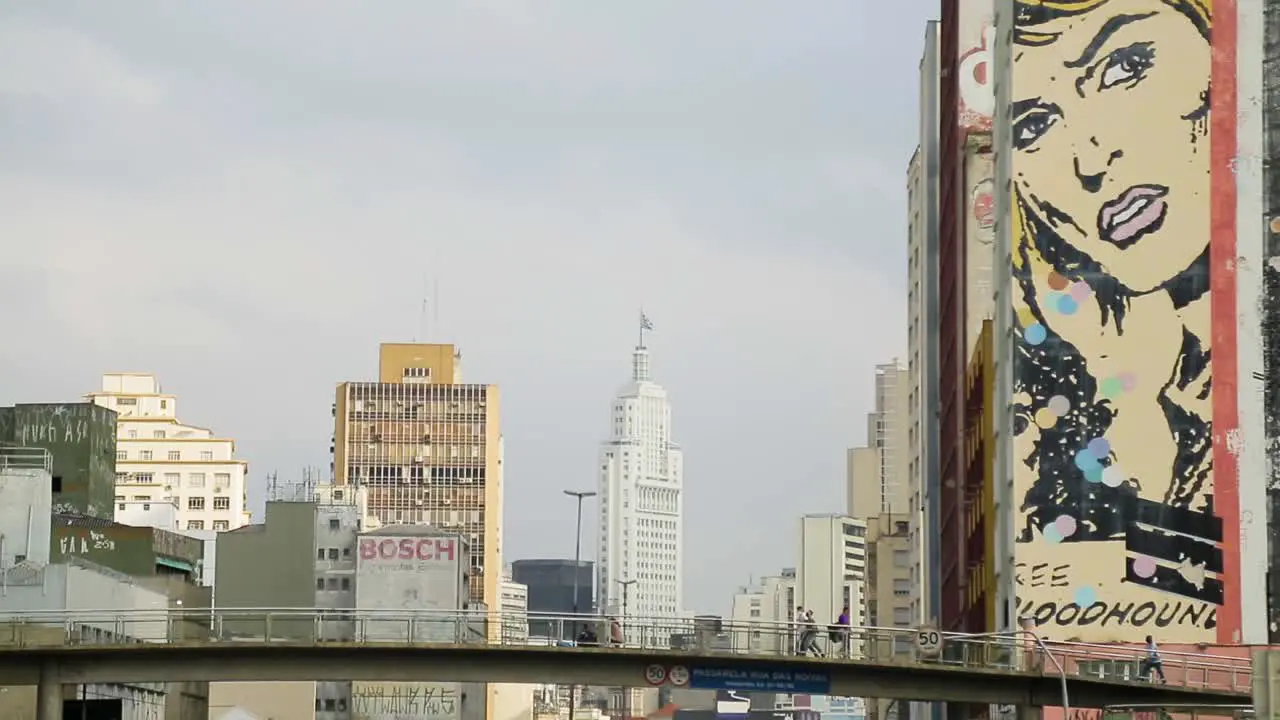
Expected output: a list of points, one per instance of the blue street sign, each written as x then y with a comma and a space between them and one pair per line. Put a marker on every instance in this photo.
790, 681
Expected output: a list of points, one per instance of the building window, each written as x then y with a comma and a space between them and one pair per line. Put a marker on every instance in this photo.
901, 558
346, 583
334, 524
164, 404
417, 373
133, 434
222, 480
171, 480
221, 525
901, 587
196, 480
195, 524
222, 503
175, 455
126, 401
122, 455
320, 553
195, 503
319, 586
206, 455
158, 434
902, 616
333, 553
146, 455
144, 478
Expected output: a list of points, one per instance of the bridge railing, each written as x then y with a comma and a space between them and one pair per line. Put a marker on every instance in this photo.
695, 636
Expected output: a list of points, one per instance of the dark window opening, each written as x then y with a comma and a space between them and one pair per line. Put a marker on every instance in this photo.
57, 483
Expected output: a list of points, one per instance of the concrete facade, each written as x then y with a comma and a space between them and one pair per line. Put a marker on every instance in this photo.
81, 438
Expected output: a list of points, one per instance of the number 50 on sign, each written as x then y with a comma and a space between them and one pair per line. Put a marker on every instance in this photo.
928, 642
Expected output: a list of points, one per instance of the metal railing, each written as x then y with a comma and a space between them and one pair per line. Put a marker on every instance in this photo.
1020, 653
21, 457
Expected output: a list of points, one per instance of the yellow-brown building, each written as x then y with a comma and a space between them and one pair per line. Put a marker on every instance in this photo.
428, 448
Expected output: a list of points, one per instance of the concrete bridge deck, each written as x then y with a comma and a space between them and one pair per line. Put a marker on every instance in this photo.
49, 649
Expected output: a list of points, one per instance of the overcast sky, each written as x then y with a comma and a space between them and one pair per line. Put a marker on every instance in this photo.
246, 198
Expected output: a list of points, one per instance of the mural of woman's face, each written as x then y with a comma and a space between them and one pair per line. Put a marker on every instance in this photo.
1110, 131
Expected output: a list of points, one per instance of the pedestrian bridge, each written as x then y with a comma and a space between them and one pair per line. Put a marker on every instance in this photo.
256, 644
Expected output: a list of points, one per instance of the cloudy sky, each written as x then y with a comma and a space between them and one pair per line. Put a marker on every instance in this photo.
246, 198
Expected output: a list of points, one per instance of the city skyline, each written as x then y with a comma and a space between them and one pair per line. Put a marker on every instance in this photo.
217, 201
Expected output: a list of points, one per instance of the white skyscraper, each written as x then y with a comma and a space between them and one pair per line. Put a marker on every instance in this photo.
641, 501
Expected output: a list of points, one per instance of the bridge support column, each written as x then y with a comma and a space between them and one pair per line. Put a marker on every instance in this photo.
49, 692
1030, 712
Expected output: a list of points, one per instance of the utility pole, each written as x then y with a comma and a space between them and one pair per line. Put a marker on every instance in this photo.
626, 691
577, 574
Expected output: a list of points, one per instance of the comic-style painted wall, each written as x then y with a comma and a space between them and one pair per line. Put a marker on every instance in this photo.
1124, 363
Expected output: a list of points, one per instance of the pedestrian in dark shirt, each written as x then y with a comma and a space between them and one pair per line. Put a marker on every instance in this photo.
588, 637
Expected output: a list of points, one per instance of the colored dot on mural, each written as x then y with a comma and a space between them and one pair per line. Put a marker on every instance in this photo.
1112, 387
1060, 405
1066, 525
1128, 381
1113, 476
1094, 474
1086, 460
1051, 534
1144, 566
1046, 418
1035, 334
1080, 291
1067, 305
1057, 281
1099, 447
1085, 596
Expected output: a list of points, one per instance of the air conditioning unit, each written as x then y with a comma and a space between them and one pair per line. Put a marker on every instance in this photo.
419, 459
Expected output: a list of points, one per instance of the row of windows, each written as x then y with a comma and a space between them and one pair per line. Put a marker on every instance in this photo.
333, 584
199, 524
221, 502
171, 455
195, 481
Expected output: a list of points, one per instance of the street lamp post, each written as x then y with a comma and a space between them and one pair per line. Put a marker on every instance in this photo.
626, 691
577, 574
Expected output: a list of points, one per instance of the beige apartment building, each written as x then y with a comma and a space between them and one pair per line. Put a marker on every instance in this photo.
427, 448
878, 474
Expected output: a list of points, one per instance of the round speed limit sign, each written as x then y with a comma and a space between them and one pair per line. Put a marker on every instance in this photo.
928, 642
655, 675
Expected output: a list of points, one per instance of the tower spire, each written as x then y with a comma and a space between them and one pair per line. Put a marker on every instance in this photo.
640, 358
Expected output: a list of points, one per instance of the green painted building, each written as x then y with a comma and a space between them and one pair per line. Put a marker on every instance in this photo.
81, 438
134, 551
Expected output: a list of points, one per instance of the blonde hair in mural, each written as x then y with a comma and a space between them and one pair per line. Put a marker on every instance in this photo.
1117, 536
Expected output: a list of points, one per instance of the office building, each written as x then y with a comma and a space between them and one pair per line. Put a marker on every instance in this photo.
879, 478
831, 572
161, 461
641, 500
550, 584
81, 441
427, 448
770, 602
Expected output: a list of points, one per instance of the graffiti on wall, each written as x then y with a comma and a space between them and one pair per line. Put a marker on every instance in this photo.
405, 701
84, 544
1119, 535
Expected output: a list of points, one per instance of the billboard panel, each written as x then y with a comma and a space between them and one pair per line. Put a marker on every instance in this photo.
1122, 123
975, 41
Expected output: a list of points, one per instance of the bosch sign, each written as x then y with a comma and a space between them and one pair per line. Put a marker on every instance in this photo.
407, 549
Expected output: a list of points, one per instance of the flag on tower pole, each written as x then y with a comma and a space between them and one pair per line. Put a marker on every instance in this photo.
645, 324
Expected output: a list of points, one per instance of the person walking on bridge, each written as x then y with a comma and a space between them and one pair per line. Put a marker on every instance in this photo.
1152, 661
